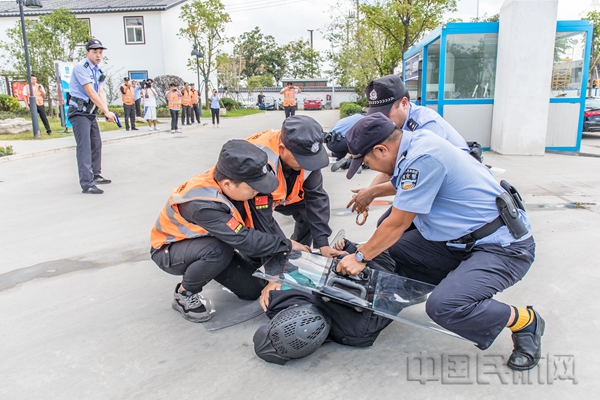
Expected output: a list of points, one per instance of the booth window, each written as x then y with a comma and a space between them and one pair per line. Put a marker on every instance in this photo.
433, 70
413, 71
567, 69
471, 66
134, 30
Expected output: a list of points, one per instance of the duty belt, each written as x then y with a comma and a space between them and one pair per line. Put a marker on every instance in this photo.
82, 105
486, 230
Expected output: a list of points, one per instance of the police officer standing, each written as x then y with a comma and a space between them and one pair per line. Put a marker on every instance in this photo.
87, 96
472, 239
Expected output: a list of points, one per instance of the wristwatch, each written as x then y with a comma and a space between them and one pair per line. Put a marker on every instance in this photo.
360, 257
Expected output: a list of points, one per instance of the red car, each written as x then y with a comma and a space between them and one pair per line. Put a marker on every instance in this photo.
313, 104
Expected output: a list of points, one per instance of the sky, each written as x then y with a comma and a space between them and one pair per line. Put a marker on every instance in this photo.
288, 20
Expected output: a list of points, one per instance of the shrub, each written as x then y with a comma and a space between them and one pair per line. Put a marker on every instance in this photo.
9, 103
6, 151
349, 108
363, 102
230, 104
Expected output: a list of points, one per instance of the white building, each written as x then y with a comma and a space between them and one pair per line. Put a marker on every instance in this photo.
141, 35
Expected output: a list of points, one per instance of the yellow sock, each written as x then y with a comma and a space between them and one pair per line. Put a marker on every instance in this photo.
523, 318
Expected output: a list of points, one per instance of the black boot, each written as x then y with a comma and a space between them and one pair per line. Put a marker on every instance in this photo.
527, 346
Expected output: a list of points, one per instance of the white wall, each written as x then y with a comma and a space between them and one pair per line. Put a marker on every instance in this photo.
525, 54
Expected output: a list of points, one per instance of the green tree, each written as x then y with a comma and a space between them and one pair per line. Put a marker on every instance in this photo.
275, 63
594, 17
228, 69
53, 37
252, 47
204, 26
303, 61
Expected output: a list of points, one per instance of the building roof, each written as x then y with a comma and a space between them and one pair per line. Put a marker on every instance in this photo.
11, 8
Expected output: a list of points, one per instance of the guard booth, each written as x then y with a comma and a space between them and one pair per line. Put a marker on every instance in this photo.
453, 71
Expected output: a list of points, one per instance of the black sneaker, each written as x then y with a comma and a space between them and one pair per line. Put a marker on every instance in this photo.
93, 190
99, 180
191, 305
342, 163
527, 346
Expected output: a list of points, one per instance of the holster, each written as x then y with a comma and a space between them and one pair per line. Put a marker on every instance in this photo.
510, 215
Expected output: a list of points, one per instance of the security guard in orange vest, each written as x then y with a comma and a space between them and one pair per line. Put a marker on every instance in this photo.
128, 104
186, 105
40, 94
289, 98
209, 216
195, 103
173, 97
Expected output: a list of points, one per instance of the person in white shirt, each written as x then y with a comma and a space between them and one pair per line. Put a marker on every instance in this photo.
149, 98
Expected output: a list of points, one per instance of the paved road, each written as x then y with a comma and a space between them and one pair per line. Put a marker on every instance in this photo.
86, 314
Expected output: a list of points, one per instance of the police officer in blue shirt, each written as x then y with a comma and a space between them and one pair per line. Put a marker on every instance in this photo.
471, 239
87, 96
336, 141
389, 96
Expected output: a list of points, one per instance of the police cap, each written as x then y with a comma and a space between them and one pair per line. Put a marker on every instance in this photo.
94, 44
382, 93
304, 137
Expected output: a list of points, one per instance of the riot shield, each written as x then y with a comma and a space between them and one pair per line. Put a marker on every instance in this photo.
386, 294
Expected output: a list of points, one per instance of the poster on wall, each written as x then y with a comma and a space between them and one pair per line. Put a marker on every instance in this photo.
412, 67
63, 77
17, 90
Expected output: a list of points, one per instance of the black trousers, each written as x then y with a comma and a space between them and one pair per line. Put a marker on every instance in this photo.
338, 146
174, 119
466, 281
42, 113
301, 228
289, 111
214, 112
138, 111
196, 112
186, 115
129, 110
89, 146
204, 259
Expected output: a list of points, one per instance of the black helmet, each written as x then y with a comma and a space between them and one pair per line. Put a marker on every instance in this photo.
295, 332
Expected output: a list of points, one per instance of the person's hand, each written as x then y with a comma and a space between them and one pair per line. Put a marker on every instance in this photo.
349, 266
300, 246
27, 105
340, 244
327, 251
264, 295
110, 117
361, 200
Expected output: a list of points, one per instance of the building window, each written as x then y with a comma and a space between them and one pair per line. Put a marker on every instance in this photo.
134, 30
567, 70
433, 70
471, 66
413, 70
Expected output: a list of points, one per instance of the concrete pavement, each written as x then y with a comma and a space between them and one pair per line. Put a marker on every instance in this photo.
86, 314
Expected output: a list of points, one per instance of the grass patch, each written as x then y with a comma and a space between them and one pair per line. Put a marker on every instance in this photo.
57, 130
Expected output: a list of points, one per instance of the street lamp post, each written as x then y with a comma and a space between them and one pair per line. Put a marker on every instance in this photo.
32, 101
199, 55
311, 49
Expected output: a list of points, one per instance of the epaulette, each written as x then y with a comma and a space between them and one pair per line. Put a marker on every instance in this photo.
87, 64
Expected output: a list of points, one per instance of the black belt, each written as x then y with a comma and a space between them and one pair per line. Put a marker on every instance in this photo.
486, 230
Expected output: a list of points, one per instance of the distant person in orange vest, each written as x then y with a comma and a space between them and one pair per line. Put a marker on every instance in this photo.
289, 98
40, 94
195, 103
186, 105
127, 96
173, 97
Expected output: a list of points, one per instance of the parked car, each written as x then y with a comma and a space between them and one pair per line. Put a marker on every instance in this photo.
591, 115
313, 104
270, 103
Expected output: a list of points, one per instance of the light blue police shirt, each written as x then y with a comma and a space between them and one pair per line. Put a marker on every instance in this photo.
451, 193
136, 93
428, 119
84, 72
344, 124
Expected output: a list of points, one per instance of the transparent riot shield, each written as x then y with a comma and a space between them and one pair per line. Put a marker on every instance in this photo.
389, 295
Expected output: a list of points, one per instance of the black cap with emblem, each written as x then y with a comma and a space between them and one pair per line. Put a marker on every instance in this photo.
364, 135
304, 137
94, 44
242, 161
382, 93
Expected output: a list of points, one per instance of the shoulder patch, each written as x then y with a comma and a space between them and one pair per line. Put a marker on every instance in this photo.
409, 179
234, 225
261, 200
412, 124
86, 64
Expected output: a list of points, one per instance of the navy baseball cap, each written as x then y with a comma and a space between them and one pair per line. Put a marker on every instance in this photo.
382, 93
304, 137
94, 44
242, 161
364, 135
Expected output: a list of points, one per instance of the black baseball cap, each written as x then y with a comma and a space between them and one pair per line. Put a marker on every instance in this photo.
242, 161
367, 133
126, 79
304, 137
382, 93
94, 44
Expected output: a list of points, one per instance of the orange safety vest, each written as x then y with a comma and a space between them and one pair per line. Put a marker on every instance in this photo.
171, 227
186, 100
174, 100
195, 96
127, 97
268, 141
39, 95
289, 97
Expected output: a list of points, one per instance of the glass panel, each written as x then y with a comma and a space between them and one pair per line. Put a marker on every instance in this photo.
433, 70
567, 70
471, 66
130, 35
413, 68
135, 29
139, 37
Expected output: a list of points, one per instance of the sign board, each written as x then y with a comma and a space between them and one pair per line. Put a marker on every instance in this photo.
63, 79
411, 66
